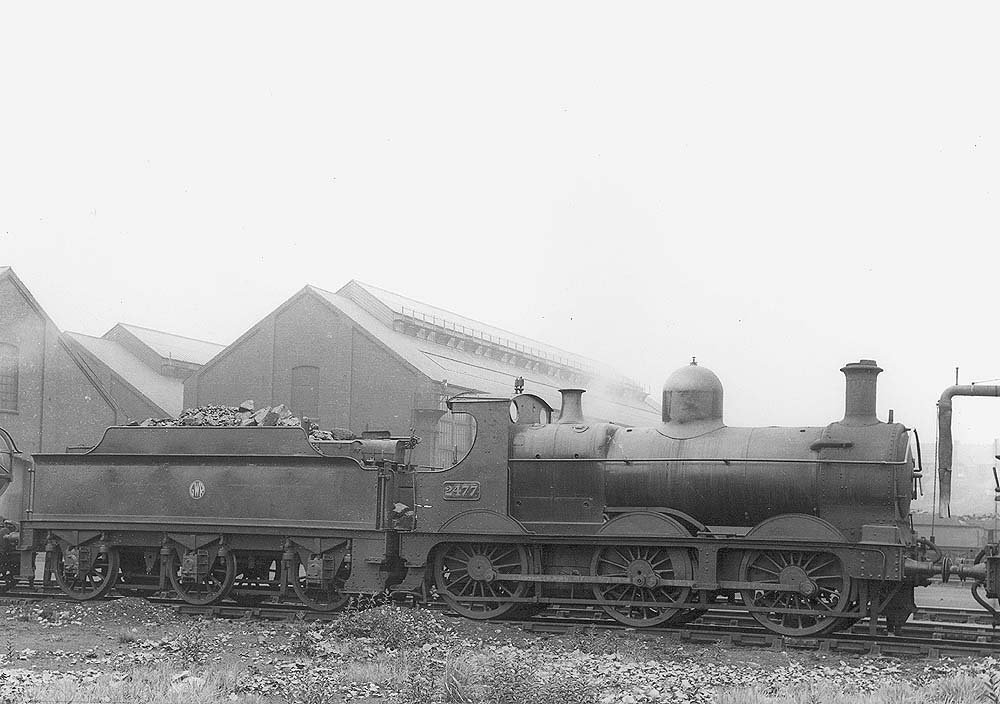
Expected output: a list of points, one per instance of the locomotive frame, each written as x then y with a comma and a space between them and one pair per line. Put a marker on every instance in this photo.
259, 513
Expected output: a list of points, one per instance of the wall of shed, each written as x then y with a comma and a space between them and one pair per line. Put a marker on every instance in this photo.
242, 372
58, 405
362, 385
22, 327
76, 413
133, 404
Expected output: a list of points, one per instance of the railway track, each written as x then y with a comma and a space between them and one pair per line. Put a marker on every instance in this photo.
931, 639
932, 632
952, 614
921, 638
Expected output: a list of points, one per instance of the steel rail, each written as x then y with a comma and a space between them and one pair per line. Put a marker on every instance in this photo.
919, 638
722, 460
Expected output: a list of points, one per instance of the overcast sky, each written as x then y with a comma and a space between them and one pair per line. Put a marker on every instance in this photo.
777, 188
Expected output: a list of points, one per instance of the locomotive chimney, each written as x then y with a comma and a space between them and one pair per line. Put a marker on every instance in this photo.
572, 406
860, 406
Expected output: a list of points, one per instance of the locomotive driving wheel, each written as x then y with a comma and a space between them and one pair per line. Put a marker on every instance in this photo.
466, 571
815, 587
85, 572
822, 588
644, 601
202, 576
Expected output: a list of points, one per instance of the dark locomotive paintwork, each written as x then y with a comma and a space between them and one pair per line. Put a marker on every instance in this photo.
651, 524
741, 476
118, 483
851, 473
584, 441
151, 491
727, 477
367, 450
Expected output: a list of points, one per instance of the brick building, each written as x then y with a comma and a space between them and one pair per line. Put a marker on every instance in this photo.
62, 389
363, 358
360, 358
49, 397
144, 369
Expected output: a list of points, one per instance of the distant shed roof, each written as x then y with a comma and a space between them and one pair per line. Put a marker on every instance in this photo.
177, 347
165, 392
446, 319
467, 369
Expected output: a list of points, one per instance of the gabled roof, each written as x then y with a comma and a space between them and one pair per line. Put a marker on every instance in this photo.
7, 273
465, 369
401, 305
163, 391
176, 347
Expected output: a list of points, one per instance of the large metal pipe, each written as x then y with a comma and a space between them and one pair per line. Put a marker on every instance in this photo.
945, 569
945, 448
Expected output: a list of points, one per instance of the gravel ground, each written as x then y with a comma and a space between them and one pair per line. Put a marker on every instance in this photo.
955, 594
388, 653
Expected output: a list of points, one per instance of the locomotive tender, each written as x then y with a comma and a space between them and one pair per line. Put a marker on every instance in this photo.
806, 528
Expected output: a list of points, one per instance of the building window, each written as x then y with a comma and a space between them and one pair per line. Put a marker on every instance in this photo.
8, 378
305, 392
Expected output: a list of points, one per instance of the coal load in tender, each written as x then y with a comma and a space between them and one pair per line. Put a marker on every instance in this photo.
246, 415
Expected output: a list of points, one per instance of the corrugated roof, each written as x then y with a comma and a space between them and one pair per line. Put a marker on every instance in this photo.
471, 371
492, 377
165, 392
178, 347
445, 318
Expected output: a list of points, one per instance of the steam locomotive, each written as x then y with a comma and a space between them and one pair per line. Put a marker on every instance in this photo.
807, 528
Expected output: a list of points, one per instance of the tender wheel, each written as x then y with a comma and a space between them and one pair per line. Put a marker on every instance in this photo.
476, 570
315, 596
644, 601
84, 572
211, 585
822, 588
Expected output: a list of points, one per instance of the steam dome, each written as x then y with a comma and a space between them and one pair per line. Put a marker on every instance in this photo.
691, 394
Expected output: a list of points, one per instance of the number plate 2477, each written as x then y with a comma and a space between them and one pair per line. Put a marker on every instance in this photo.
461, 491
